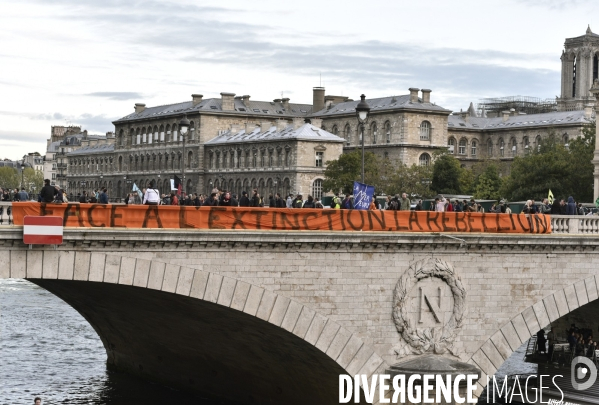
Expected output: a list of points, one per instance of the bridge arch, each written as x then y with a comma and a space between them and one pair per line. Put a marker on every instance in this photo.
100, 285
500, 346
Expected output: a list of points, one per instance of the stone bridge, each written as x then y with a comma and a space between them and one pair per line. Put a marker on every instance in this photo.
274, 317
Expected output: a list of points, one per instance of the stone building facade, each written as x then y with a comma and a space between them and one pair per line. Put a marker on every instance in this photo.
472, 139
406, 129
282, 158
580, 68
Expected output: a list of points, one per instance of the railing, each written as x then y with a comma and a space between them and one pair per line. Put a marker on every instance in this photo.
575, 224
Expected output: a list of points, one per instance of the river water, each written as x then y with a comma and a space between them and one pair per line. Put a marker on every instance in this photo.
48, 350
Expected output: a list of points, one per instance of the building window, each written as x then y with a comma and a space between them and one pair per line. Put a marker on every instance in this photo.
514, 147
425, 131
462, 147
270, 159
347, 132
387, 132
335, 130
287, 158
254, 159
501, 147
262, 158
565, 139
473, 148
424, 159
526, 144
218, 160
373, 132
538, 142
319, 156
317, 189
490, 148
451, 145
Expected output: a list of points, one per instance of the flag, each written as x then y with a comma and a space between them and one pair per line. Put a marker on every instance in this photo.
362, 195
550, 197
136, 189
178, 184
173, 185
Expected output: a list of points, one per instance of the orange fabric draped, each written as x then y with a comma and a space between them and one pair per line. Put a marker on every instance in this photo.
183, 217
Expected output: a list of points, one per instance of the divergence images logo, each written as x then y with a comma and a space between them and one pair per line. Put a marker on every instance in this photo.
579, 373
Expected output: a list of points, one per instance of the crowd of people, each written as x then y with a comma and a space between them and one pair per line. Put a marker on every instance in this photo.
579, 342
151, 196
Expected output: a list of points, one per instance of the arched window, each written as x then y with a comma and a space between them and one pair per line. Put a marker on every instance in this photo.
473, 145
526, 144
490, 148
424, 160
189, 162
501, 147
538, 142
451, 145
287, 158
462, 147
425, 131
335, 130
217, 160
270, 159
120, 163
565, 139
388, 132
373, 133
514, 147
347, 133
254, 158
317, 189
225, 159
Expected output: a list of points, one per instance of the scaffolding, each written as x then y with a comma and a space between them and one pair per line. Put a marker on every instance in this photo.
492, 107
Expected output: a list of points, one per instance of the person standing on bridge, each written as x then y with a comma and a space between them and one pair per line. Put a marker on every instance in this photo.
152, 196
404, 203
103, 196
244, 201
48, 192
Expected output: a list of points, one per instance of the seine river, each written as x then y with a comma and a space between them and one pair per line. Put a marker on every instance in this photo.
47, 349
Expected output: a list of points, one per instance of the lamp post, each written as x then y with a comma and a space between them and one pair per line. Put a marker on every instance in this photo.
22, 175
362, 111
184, 127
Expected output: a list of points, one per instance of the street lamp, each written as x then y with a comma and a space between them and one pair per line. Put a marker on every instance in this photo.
362, 111
184, 127
22, 175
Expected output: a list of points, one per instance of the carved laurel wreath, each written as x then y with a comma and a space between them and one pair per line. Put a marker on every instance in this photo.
440, 339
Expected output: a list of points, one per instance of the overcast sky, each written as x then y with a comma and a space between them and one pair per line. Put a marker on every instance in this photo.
87, 62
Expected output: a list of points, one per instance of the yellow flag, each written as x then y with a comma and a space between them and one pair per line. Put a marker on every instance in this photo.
550, 197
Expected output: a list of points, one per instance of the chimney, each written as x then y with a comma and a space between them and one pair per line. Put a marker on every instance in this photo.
245, 99
413, 94
139, 107
588, 111
286, 104
234, 129
512, 111
196, 99
281, 125
317, 99
228, 103
249, 127
505, 115
265, 126
298, 122
426, 96
317, 122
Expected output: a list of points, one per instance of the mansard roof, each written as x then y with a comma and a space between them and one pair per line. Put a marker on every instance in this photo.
382, 104
88, 150
556, 118
214, 105
306, 132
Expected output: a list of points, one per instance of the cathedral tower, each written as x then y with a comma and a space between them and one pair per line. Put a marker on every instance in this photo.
580, 67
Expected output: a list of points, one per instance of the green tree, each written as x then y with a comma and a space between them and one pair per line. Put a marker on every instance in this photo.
34, 180
566, 171
414, 180
340, 174
488, 184
446, 175
9, 178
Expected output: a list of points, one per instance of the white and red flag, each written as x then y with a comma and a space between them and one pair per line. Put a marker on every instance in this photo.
42, 230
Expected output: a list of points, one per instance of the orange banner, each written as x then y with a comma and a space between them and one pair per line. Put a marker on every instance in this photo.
173, 217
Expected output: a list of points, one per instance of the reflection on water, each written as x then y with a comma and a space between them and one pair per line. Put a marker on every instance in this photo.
47, 349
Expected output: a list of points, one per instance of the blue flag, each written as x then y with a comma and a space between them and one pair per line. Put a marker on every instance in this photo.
136, 189
362, 195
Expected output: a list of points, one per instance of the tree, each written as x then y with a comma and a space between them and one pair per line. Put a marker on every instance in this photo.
9, 177
340, 174
566, 171
446, 175
33, 179
414, 180
488, 184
